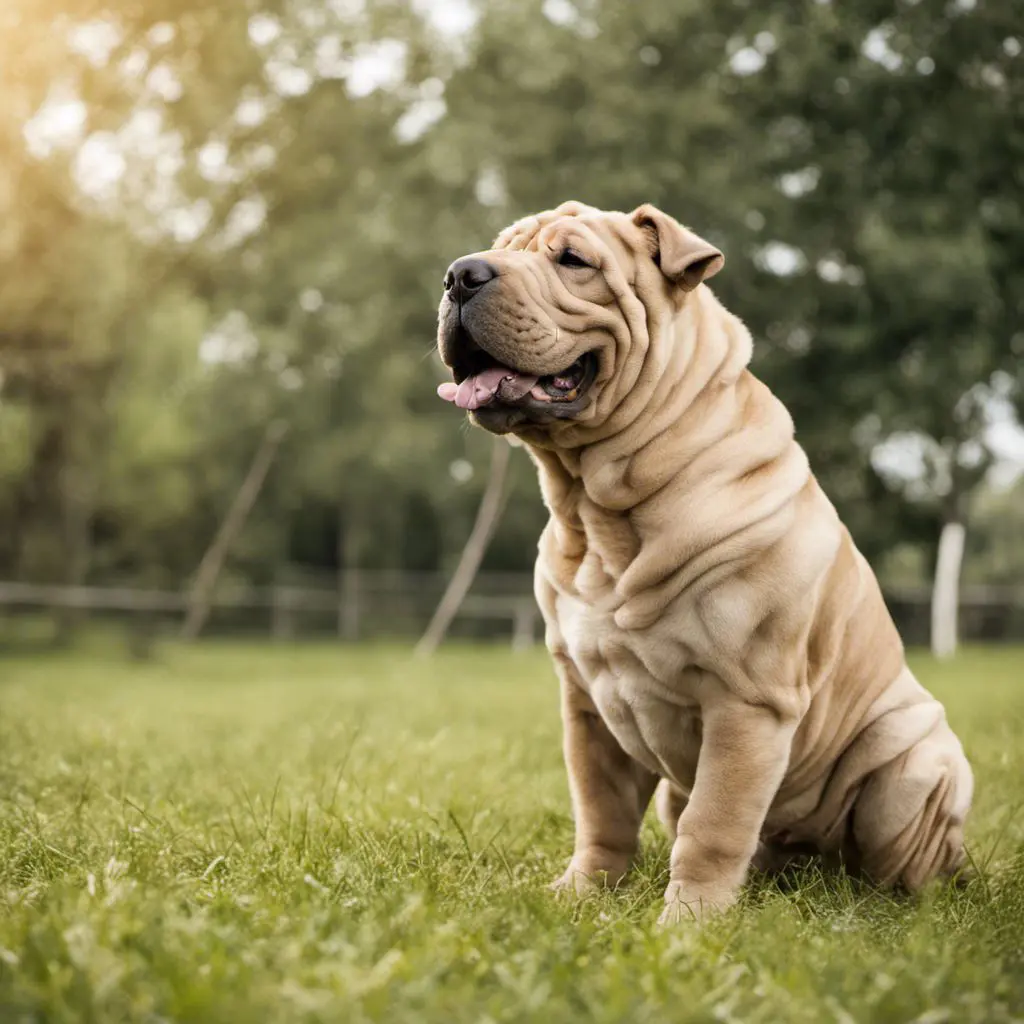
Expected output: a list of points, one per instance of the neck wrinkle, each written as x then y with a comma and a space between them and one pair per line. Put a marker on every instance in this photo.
689, 408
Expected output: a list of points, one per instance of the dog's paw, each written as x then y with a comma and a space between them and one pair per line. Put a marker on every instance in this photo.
574, 883
582, 878
688, 904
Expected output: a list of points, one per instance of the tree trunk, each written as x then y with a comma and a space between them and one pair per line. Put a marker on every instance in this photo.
472, 554
201, 596
348, 573
77, 505
946, 589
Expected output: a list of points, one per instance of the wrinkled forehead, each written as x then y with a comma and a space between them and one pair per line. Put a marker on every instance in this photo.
555, 229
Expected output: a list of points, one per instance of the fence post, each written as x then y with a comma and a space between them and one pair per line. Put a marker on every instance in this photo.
487, 516
201, 595
348, 607
281, 624
523, 626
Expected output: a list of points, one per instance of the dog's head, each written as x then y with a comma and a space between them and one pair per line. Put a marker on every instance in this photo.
554, 326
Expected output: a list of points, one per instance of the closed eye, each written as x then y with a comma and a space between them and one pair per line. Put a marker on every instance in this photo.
568, 258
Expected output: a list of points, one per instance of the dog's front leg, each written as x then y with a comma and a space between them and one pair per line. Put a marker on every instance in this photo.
610, 792
743, 757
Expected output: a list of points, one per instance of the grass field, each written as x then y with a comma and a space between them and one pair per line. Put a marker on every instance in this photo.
241, 834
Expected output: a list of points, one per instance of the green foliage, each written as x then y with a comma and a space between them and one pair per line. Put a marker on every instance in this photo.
903, 124
997, 542
274, 246
254, 834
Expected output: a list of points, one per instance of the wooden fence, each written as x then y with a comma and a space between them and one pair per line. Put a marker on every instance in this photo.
398, 605
365, 606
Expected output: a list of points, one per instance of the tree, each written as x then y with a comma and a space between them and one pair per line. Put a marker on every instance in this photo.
896, 136
290, 182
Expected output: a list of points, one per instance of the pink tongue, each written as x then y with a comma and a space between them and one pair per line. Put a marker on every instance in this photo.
480, 389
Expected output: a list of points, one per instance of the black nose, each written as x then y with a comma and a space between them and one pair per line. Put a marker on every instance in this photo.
467, 276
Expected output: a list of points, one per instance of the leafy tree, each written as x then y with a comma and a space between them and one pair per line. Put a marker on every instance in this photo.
895, 133
293, 179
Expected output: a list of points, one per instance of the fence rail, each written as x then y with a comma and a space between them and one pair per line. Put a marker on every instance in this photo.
364, 605
367, 605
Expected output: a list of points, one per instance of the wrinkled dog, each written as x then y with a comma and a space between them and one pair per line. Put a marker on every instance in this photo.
717, 634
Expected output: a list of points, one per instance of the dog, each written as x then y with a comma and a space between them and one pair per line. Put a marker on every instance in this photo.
717, 635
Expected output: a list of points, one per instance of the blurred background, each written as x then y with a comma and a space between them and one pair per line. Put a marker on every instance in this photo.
224, 225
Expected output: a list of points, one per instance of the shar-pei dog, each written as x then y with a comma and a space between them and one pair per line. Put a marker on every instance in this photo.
717, 635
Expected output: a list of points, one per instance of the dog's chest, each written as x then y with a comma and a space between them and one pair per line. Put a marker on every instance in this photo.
641, 685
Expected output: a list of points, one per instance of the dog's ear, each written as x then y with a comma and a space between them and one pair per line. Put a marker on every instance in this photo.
684, 257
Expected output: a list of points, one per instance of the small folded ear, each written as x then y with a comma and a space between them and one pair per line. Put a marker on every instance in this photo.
684, 257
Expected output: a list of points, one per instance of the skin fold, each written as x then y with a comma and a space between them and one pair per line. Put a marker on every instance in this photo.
717, 635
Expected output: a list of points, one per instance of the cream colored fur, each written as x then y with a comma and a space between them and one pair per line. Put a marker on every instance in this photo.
716, 632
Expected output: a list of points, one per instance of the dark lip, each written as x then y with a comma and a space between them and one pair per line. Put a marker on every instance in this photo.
589, 361
469, 358
502, 417
465, 357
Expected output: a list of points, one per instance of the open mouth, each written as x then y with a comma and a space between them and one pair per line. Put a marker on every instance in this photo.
502, 384
484, 381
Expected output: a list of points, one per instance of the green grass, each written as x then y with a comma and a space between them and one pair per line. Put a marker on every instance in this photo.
288, 834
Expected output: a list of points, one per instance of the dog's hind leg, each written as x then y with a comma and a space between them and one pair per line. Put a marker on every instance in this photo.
908, 818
